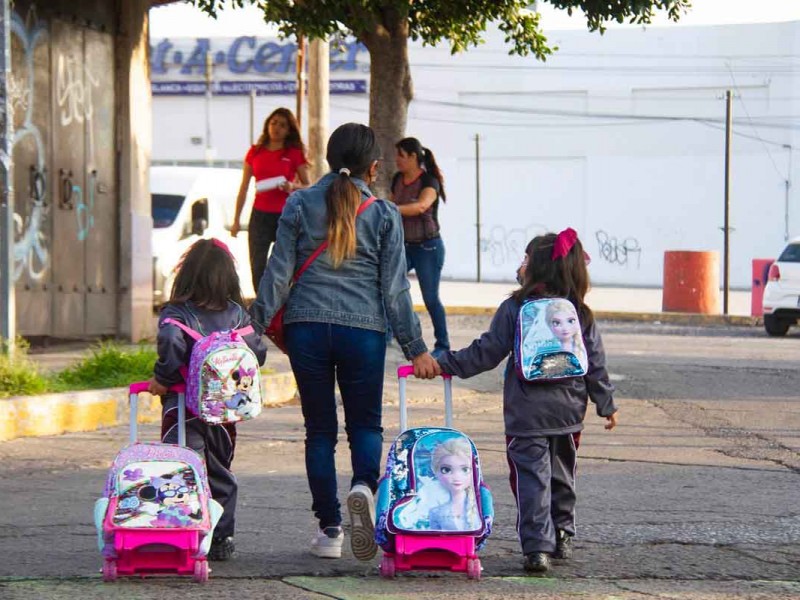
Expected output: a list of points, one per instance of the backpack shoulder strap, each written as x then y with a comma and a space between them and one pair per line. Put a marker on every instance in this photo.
187, 330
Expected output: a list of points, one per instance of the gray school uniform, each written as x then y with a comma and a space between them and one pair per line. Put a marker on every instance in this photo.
542, 423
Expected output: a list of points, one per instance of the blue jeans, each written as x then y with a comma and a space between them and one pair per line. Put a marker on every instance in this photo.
322, 354
427, 259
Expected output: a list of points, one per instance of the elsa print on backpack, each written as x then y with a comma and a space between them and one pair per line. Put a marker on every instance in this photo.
549, 344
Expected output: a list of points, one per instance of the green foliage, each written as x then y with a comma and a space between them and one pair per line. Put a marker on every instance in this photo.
18, 374
108, 365
461, 23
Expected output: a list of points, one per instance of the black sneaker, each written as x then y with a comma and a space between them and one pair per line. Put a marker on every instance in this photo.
222, 549
537, 562
563, 545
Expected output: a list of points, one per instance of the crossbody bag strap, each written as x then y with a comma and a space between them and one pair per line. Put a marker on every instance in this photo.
324, 244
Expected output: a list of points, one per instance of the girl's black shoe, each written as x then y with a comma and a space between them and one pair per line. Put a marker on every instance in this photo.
222, 549
563, 545
537, 562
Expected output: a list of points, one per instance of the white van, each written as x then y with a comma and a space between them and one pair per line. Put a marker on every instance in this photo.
189, 203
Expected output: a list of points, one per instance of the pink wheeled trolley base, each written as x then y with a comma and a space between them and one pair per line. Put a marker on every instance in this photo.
432, 553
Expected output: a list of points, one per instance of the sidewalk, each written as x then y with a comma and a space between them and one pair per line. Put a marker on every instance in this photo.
53, 414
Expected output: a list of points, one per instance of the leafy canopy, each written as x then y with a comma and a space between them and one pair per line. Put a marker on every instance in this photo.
459, 22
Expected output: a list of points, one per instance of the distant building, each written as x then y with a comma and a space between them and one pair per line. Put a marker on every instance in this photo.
620, 136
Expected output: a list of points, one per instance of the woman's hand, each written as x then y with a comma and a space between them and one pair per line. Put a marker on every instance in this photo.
156, 388
287, 186
235, 228
425, 366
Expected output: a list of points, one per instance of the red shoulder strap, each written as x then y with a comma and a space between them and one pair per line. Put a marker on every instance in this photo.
324, 244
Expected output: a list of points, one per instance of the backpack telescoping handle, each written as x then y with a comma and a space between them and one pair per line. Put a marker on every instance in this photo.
142, 386
403, 372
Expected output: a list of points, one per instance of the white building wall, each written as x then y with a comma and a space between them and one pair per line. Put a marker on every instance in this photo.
620, 136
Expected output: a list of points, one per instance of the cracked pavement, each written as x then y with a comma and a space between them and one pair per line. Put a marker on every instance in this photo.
694, 495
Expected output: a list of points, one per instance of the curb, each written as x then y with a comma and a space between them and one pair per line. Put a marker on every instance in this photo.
673, 318
54, 414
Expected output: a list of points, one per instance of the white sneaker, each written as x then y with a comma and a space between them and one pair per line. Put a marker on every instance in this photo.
328, 543
361, 506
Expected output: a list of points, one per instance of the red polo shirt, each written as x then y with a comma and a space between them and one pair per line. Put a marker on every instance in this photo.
272, 163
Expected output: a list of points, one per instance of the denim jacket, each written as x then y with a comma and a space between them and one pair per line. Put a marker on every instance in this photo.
362, 292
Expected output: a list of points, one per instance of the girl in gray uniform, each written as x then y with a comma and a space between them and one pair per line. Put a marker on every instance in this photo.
543, 420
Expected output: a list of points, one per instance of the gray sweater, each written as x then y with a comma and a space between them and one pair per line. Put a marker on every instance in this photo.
536, 409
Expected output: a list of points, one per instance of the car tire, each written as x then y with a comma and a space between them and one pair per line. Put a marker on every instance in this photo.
775, 326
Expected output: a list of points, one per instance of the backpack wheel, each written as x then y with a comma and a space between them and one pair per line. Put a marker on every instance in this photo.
109, 570
474, 568
201, 571
387, 566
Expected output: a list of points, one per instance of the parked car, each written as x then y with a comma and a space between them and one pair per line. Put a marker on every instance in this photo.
782, 292
189, 203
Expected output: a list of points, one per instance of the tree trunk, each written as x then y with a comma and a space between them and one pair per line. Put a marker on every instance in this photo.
390, 92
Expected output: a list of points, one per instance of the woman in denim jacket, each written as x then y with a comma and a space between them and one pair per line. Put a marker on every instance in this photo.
335, 322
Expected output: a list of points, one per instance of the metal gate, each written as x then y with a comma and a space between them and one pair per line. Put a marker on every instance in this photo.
66, 242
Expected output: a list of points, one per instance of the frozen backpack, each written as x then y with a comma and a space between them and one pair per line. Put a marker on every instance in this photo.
549, 341
223, 380
413, 500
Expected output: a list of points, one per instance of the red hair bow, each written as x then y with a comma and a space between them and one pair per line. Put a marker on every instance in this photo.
564, 243
223, 246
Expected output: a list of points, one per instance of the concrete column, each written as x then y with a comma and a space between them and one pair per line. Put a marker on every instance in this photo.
318, 106
134, 142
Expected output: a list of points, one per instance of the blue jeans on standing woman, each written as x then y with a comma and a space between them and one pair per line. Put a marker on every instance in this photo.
322, 354
427, 259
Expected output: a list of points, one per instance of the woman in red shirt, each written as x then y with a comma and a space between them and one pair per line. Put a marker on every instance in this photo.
278, 162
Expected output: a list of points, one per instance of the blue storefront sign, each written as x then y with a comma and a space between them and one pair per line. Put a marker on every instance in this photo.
235, 88
178, 66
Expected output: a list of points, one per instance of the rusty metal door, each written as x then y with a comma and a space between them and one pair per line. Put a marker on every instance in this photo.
69, 113
29, 97
100, 211
83, 179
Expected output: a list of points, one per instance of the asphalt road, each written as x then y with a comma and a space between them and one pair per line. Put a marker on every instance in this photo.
694, 495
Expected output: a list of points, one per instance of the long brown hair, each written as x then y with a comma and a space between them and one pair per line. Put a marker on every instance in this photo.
207, 276
565, 277
293, 138
352, 147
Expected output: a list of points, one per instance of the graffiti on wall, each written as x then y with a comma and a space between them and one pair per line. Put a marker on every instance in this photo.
618, 251
506, 247
31, 254
74, 98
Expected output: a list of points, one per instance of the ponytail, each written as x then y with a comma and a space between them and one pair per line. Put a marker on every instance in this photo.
432, 168
352, 149
342, 199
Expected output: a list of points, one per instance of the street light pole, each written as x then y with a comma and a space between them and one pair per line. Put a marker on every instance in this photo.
209, 73
8, 315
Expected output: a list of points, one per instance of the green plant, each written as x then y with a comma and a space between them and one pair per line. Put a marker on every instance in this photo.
108, 365
19, 375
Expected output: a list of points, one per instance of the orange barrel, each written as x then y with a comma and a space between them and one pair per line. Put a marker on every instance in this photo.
691, 282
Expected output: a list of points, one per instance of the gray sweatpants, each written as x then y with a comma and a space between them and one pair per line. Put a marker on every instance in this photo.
543, 483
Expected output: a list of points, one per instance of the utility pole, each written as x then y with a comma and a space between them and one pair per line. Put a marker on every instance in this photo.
318, 105
252, 115
726, 269
301, 78
8, 317
478, 204
209, 73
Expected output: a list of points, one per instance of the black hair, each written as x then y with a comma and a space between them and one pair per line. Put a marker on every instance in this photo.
207, 276
564, 277
425, 157
353, 147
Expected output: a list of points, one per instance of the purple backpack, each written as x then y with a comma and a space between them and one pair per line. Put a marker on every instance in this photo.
223, 380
